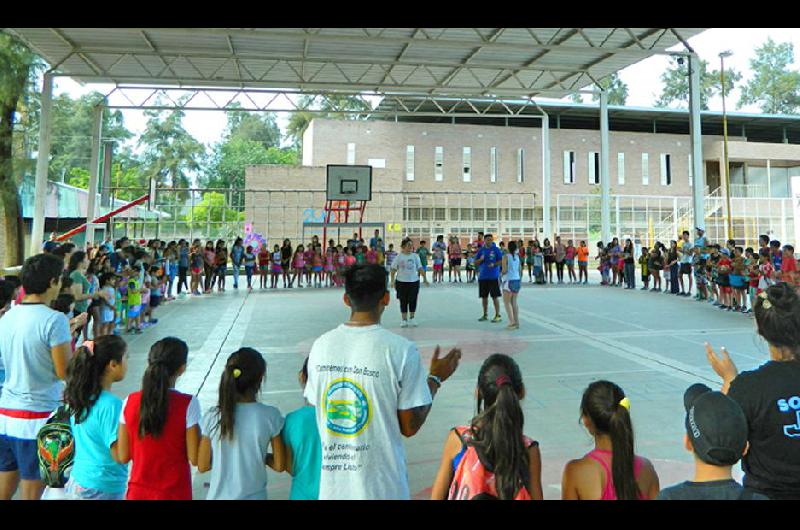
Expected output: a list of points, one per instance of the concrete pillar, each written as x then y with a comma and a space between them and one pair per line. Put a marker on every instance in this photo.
605, 184
94, 171
42, 165
546, 227
698, 172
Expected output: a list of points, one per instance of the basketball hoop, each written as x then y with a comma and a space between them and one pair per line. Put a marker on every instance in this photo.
348, 189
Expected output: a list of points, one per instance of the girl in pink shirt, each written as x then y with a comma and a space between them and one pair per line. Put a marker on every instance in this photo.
611, 471
299, 266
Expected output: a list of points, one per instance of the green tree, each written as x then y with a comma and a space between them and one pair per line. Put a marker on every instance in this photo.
17, 67
576, 97
258, 127
774, 86
617, 90
212, 212
676, 84
331, 106
170, 152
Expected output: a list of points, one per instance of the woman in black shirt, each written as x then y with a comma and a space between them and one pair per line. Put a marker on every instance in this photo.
286, 258
549, 258
672, 265
770, 396
629, 265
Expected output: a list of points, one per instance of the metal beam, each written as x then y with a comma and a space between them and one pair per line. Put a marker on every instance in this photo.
696, 134
94, 172
546, 167
42, 165
605, 180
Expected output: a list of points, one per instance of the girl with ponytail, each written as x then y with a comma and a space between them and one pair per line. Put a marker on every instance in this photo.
238, 432
94, 416
491, 458
611, 470
159, 428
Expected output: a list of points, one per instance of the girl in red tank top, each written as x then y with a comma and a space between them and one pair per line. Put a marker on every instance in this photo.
484, 462
159, 428
611, 471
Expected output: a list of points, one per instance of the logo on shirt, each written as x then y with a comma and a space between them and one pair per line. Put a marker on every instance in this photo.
791, 404
346, 408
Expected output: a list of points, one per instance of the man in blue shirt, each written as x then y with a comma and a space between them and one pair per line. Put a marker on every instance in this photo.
488, 259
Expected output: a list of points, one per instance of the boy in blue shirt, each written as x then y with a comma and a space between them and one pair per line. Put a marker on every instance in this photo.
303, 448
488, 260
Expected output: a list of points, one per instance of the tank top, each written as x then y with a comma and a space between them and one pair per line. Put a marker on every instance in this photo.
160, 469
604, 458
512, 268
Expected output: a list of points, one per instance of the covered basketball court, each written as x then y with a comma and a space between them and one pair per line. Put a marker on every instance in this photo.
265, 69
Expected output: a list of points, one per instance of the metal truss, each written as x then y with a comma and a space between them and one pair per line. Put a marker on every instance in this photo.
489, 62
266, 100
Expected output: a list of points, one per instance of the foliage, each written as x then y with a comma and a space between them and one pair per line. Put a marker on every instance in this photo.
676, 84
170, 152
774, 87
617, 90
212, 209
257, 127
332, 107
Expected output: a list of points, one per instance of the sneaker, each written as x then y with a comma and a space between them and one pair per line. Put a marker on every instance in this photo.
404, 324
412, 323
137, 331
154, 321
484, 318
496, 319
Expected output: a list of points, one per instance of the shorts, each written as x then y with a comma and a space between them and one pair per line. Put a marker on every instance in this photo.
736, 281
276, 269
264, 268
700, 279
317, 268
512, 286
19, 455
725, 289
134, 310
645, 277
455, 262
155, 301
489, 287
569, 262
425, 268
686, 268
222, 270
752, 291
438, 266
196, 270
583, 264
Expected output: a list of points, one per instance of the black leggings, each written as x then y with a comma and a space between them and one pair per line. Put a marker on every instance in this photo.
407, 293
182, 278
560, 270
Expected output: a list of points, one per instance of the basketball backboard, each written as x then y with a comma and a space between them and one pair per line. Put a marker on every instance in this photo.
349, 183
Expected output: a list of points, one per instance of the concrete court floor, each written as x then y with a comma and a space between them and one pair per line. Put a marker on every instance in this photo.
650, 344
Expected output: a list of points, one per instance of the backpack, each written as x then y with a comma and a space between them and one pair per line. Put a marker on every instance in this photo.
56, 449
472, 480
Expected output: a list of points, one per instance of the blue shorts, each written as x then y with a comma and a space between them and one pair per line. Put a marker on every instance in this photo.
424, 268
19, 455
512, 286
317, 268
134, 310
569, 262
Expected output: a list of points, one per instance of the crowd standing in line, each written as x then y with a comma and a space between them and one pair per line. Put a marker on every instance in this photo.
59, 352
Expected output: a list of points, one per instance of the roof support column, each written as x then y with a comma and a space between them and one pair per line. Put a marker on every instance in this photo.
699, 180
546, 174
94, 171
42, 166
605, 184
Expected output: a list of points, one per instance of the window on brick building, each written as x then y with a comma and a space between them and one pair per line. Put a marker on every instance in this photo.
620, 168
666, 170
467, 164
569, 167
594, 168
493, 164
409, 162
438, 163
645, 169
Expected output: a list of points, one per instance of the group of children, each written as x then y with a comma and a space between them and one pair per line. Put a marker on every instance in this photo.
161, 432
729, 277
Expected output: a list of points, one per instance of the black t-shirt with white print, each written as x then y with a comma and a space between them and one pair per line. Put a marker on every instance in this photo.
770, 398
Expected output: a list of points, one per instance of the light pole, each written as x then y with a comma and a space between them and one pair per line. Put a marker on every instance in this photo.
722, 56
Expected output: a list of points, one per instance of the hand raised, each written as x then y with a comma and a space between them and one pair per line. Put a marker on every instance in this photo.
723, 365
443, 368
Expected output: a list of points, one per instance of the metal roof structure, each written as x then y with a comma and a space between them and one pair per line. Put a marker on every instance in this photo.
492, 62
566, 115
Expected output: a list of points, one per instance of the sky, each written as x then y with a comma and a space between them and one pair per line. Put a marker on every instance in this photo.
643, 79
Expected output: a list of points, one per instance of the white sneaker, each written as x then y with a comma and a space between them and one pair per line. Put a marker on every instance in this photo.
404, 324
412, 323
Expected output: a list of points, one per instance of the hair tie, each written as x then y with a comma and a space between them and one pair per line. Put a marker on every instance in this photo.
626, 403
89, 345
501, 380
236, 373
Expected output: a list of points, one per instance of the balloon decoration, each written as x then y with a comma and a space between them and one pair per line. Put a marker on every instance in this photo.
253, 239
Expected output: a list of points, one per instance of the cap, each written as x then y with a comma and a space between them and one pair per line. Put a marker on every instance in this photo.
699, 229
49, 246
725, 251
715, 424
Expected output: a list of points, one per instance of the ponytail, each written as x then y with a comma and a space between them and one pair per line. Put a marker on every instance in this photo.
498, 429
85, 373
602, 403
166, 357
241, 379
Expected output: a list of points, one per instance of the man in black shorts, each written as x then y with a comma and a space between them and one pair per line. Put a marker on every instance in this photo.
488, 259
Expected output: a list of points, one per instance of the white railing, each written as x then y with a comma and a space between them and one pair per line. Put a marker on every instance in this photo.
746, 191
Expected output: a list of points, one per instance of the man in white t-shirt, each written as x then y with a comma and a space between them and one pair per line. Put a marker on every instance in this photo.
369, 388
687, 252
35, 349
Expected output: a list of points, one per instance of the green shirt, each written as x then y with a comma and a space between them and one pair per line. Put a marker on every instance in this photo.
134, 296
423, 255
78, 278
